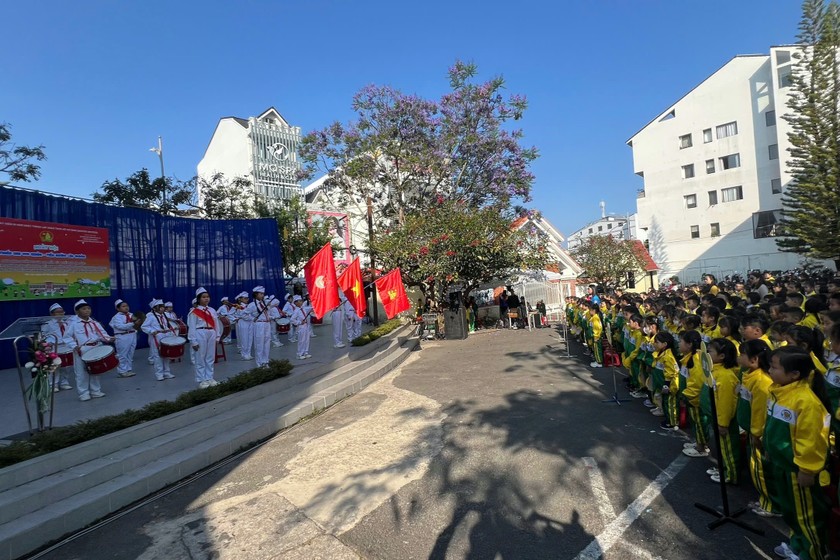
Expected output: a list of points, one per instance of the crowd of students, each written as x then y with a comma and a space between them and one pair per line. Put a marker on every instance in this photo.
768, 352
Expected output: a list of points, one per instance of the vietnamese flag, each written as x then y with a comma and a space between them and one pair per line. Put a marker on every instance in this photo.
321, 281
350, 283
392, 293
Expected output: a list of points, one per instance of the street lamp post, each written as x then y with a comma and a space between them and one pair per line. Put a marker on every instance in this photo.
159, 152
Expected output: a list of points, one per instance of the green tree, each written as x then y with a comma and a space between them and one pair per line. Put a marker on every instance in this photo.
811, 202
18, 162
300, 238
164, 195
453, 243
607, 260
223, 199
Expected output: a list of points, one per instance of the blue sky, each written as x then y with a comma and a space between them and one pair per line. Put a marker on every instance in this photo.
96, 82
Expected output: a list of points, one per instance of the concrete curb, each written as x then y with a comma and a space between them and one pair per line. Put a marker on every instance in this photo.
48, 497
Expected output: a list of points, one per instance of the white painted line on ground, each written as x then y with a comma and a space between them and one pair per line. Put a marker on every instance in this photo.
599, 489
615, 529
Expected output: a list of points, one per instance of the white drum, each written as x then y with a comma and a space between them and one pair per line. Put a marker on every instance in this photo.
172, 346
99, 359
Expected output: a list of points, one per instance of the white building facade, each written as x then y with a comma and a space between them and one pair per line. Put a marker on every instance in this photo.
713, 166
262, 149
617, 226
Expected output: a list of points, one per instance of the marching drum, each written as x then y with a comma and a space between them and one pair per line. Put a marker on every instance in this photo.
172, 346
66, 359
99, 359
225, 327
283, 325
315, 320
182, 328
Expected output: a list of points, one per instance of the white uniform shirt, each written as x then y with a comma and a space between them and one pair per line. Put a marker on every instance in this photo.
258, 312
58, 327
289, 309
156, 322
197, 324
122, 323
299, 317
81, 333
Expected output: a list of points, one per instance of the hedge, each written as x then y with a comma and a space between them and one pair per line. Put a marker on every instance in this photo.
378, 332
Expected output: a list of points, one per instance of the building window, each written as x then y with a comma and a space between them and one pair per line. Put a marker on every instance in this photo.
590, 230
770, 118
785, 77
731, 161
782, 57
776, 186
767, 224
600, 228
685, 141
715, 229
728, 129
707, 135
773, 149
609, 226
712, 198
732, 193
710, 166
691, 201
688, 171
695, 232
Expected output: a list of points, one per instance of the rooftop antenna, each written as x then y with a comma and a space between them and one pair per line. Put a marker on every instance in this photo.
603, 206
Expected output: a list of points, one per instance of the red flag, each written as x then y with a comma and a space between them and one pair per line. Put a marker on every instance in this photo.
392, 293
321, 281
350, 283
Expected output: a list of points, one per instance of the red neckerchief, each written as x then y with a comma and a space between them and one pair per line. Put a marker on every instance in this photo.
128, 317
61, 326
95, 327
206, 316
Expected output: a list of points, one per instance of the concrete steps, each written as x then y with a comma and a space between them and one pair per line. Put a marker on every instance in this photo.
45, 498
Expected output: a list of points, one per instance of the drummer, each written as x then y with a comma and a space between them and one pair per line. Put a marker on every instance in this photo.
57, 327
227, 311
125, 338
157, 325
169, 310
275, 315
205, 330
288, 310
81, 335
244, 327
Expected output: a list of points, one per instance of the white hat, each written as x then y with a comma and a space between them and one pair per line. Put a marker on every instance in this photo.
155, 302
275, 302
297, 298
194, 301
168, 304
80, 303
118, 303
55, 306
200, 291
242, 295
225, 299
258, 289
288, 297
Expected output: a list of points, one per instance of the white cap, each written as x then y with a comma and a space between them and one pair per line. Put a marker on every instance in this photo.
275, 302
297, 298
155, 302
55, 306
200, 291
168, 304
118, 303
194, 301
242, 295
80, 303
258, 289
288, 297
225, 299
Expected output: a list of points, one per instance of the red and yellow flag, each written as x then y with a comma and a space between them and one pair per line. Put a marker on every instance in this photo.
350, 283
321, 281
392, 293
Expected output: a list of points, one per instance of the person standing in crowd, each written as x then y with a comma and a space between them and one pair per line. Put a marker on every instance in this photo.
81, 335
274, 315
57, 327
338, 322
300, 319
307, 308
503, 309
258, 313
205, 331
757, 285
125, 336
288, 311
157, 325
244, 327
514, 305
226, 310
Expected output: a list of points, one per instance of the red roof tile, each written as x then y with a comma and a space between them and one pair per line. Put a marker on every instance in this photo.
642, 253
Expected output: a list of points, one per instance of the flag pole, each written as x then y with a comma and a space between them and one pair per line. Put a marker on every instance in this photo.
372, 261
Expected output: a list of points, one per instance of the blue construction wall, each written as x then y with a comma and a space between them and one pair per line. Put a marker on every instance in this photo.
153, 256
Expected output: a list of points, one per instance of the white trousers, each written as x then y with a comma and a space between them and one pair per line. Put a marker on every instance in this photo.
85, 383
125, 345
338, 326
354, 327
161, 364
205, 356
303, 333
245, 333
262, 341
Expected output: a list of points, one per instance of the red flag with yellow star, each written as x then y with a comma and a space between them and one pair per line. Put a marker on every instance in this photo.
392, 293
350, 283
321, 282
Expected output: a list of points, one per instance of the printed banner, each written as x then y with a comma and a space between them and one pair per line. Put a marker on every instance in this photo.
43, 260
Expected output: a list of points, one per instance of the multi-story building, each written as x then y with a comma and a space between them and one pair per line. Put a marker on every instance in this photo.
714, 169
618, 226
262, 149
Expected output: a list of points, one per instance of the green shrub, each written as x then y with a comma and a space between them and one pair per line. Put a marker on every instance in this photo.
65, 436
378, 332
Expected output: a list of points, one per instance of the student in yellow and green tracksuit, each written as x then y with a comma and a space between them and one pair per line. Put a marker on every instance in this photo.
796, 445
632, 348
692, 379
617, 327
650, 328
595, 332
665, 375
724, 384
751, 413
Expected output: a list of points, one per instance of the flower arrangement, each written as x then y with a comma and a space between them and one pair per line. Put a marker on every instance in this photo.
43, 363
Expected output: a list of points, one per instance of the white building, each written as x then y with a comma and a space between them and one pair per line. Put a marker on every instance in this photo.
713, 166
262, 149
617, 226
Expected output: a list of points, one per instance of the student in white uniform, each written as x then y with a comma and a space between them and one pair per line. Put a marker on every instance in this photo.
300, 319
57, 327
307, 308
338, 322
226, 310
157, 325
125, 336
244, 328
258, 312
169, 309
81, 335
274, 314
352, 321
204, 330
288, 311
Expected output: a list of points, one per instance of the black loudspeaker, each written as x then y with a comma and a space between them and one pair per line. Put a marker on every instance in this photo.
456, 300
455, 323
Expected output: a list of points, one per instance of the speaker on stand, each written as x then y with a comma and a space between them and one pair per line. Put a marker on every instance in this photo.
455, 317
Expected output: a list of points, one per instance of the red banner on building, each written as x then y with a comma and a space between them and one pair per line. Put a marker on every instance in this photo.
44, 260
